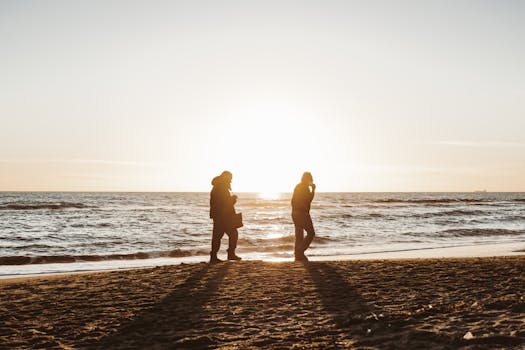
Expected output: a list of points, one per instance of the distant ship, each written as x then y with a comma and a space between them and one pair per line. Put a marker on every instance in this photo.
480, 191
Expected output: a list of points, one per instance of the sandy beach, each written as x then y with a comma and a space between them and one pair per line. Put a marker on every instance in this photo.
376, 304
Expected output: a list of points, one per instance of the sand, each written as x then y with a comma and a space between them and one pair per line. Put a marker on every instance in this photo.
378, 304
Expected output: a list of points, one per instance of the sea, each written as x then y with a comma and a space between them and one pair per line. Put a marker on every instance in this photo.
55, 232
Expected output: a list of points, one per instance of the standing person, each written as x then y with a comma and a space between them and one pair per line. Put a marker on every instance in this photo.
301, 200
222, 211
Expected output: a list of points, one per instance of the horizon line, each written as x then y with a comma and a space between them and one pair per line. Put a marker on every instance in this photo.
258, 192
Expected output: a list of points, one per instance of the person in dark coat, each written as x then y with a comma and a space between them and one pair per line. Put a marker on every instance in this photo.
222, 211
303, 195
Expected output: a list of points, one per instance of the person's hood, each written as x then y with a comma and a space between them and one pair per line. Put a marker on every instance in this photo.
216, 181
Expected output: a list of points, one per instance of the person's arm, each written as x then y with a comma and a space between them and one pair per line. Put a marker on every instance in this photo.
312, 194
224, 203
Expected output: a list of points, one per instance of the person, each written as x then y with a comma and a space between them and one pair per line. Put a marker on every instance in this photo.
301, 201
222, 211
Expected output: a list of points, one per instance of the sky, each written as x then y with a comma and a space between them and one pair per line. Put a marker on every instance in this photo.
164, 95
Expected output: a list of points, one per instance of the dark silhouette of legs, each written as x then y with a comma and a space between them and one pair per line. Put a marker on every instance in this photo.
233, 236
310, 233
302, 222
299, 238
217, 234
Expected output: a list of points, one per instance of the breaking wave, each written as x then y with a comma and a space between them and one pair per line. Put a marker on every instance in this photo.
41, 205
456, 212
433, 201
479, 232
51, 259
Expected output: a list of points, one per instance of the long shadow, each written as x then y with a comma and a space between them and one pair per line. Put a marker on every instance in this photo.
358, 321
177, 321
340, 299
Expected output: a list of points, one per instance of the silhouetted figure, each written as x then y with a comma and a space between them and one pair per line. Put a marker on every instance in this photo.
301, 200
222, 211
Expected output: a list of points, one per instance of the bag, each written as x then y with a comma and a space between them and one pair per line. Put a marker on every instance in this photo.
237, 220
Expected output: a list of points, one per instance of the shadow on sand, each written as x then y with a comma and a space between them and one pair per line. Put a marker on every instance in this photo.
341, 300
175, 322
365, 326
360, 323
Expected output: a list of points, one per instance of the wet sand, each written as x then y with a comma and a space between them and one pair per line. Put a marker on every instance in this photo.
373, 304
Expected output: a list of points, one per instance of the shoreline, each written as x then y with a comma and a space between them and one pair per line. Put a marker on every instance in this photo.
455, 252
460, 251
374, 304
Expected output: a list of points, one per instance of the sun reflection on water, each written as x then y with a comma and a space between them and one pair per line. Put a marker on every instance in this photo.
269, 195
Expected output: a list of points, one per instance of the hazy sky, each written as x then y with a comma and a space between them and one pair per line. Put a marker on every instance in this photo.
164, 95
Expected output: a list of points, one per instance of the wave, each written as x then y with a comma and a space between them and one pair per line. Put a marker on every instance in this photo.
343, 217
52, 259
515, 218
479, 232
41, 205
15, 244
456, 212
89, 225
433, 201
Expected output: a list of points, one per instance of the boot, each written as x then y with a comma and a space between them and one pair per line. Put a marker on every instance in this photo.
232, 255
214, 259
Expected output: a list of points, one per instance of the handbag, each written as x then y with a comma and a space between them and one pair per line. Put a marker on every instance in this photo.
237, 220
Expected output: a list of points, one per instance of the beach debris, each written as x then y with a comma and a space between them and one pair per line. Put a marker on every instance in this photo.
475, 304
373, 316
368, 331
36, 331
468, 336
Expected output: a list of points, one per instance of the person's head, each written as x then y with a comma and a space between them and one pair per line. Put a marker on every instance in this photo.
223, 179
226, 177
307, 178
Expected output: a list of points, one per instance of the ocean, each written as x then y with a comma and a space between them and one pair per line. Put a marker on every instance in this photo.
72, 231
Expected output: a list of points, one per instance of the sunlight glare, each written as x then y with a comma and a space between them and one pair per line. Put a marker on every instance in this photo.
269, 195
275, 235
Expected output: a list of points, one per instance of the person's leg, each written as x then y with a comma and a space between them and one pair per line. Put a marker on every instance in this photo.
233, 236
216, 237
298, 248
299, 232
310, 232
